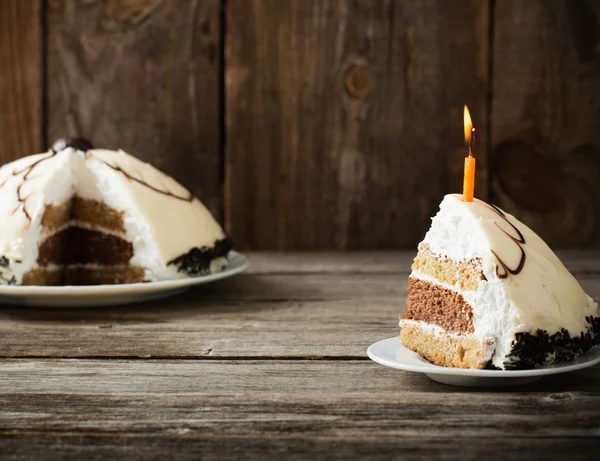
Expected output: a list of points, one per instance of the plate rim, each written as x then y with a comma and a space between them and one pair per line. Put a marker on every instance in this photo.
17, 291
470, 372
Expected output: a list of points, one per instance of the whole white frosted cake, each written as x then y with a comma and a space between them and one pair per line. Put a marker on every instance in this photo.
78, 215
486, 291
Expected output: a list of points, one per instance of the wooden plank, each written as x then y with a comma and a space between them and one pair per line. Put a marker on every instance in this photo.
354, 406
344, 119
327, 383
182, 445
308, 262
308, 316
546, 101
379, 262
210, 340
251, 316
141, 75
21, 79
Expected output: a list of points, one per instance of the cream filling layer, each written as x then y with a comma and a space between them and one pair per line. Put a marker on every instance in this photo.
84, 225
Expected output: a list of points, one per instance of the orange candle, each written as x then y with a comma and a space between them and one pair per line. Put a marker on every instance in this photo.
469, 179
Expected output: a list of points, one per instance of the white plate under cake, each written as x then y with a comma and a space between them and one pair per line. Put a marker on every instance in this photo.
390, 353
81, 216
110, 295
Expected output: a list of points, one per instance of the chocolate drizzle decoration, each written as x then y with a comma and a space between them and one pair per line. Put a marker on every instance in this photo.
519, 240
59, 145
189, 197
84, 146
26, 172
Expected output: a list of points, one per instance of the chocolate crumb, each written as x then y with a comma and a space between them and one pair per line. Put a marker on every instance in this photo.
491, 366
532, 350
197, 260
4, 262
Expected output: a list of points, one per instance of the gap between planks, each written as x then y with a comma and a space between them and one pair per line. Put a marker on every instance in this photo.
156, 358
379, 262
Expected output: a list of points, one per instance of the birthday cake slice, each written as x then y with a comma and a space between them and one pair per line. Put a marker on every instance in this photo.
486, 291
77, 215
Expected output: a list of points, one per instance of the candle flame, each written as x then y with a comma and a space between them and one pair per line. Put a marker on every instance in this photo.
468, 126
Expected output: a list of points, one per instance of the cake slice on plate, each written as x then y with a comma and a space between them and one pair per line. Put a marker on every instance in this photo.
78, 215
486, 291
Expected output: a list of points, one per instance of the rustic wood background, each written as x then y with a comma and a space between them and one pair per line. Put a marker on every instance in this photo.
322, 124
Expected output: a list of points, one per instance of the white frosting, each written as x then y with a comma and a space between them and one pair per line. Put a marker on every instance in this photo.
543, 295
162, 219
22, 203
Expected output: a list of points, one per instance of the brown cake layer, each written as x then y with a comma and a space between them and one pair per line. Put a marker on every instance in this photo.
433, 304
103, 276
464, 274
97, 214
56, 216
76, 245
69, 247
84, 276
43, 277
444, 349
79, 210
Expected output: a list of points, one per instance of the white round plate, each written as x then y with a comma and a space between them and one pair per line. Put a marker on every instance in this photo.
391, 353
110, 295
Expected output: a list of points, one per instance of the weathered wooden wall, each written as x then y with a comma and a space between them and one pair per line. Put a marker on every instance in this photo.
545, 117
322, 124
20, 78
143, 76
344, 118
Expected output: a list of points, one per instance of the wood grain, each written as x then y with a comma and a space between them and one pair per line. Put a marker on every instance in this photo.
379, 262
344, 119
345, 408
546, 101
20, 79
141, 75
302, 316
309, 262
181, 445
268, 365
291, 316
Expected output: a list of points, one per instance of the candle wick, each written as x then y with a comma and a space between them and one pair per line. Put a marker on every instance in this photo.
471, 142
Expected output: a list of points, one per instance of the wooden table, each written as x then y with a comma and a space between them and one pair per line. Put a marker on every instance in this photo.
270, 364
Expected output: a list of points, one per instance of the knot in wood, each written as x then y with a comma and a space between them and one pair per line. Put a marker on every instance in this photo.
358, 81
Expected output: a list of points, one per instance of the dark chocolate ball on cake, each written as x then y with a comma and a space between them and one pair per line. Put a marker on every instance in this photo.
75, 143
